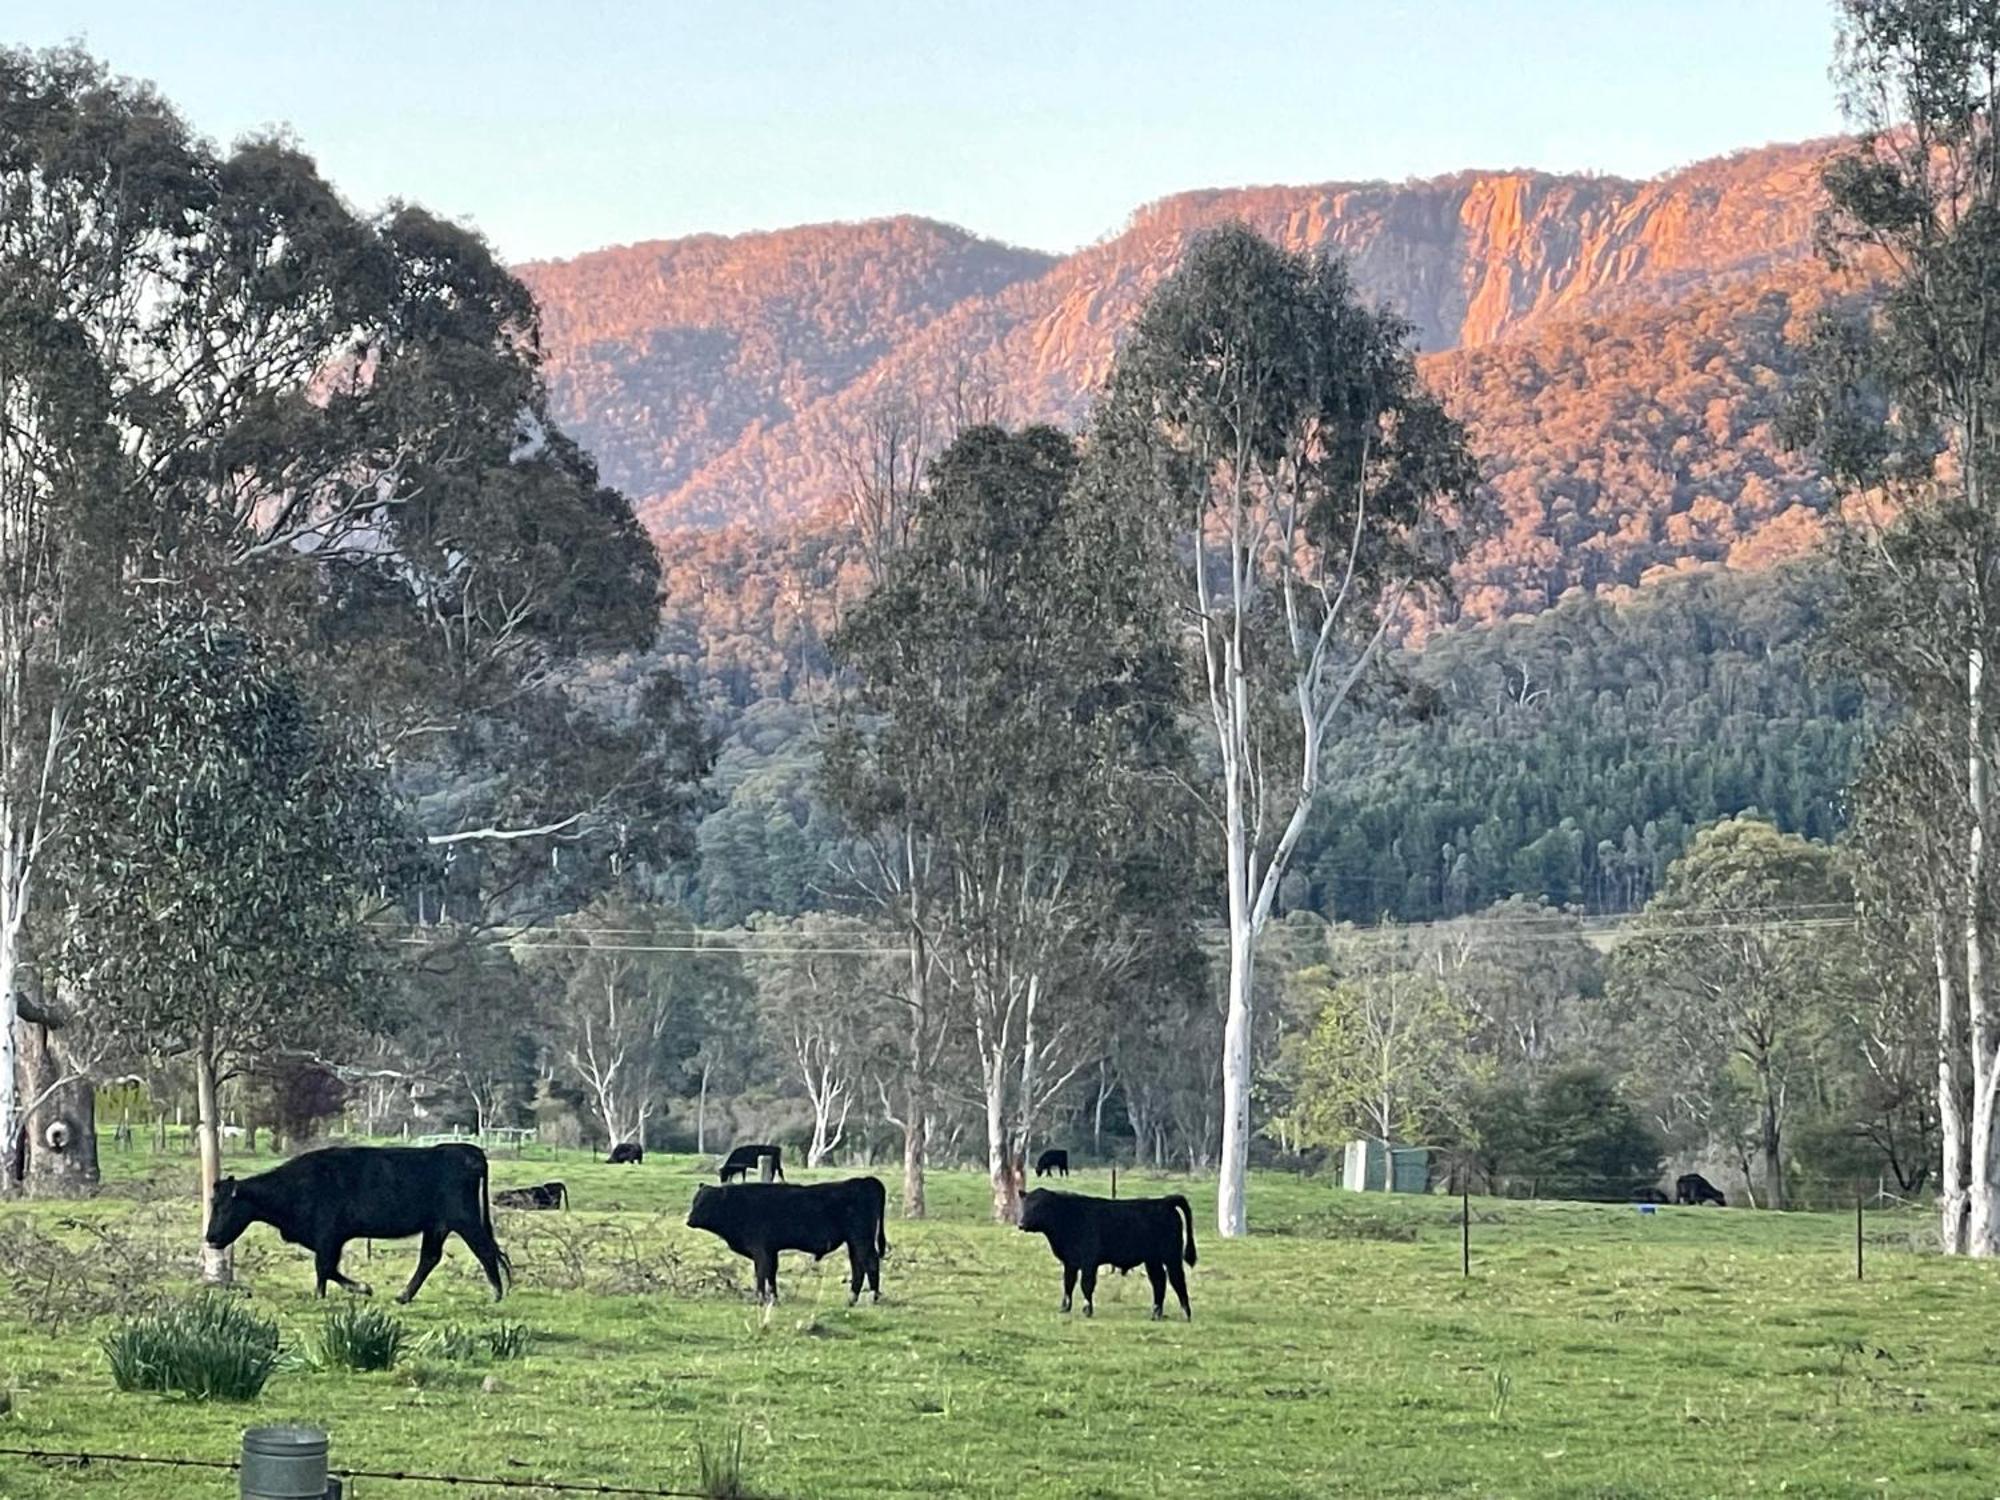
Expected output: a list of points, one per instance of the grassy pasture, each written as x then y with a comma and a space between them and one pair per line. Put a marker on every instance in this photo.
1595, 1352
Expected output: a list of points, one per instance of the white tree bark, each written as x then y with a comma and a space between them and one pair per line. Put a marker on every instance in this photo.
1953, 1200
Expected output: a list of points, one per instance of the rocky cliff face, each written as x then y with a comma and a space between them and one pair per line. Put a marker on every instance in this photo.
725, 380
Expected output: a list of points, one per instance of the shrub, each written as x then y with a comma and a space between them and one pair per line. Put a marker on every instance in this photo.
359, 1337
210, 1347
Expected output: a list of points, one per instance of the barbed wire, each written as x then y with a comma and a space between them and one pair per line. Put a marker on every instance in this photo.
549, 1486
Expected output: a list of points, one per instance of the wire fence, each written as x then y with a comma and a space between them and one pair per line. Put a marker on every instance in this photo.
85, 1457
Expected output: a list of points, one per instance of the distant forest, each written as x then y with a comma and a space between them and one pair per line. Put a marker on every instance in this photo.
1567, 758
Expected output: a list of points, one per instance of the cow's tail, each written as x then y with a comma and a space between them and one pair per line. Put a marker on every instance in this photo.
882, 1223
1187, 1218
486, 1218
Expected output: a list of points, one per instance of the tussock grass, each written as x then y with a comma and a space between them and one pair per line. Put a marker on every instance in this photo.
356, 1336
210, 1347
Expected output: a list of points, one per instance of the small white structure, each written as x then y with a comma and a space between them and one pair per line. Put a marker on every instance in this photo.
1373, 1165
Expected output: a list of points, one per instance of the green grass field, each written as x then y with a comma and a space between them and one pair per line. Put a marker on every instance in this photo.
1594, 1352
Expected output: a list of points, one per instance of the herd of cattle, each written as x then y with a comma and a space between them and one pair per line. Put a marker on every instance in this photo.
325, 1199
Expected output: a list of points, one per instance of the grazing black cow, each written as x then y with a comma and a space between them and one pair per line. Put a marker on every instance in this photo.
546, 1195
1649, 1194
325, 1198
740, 1160
758, 1219
627, 1153
1052, 1160
1692, 1188
1086, 1233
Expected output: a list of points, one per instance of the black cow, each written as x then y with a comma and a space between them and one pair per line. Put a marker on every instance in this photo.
758, 1219
1692, 1188
1649, 1194
546, 1195
1052, 1160
1086, 1233
740, 1160
325, 1198
627, 1153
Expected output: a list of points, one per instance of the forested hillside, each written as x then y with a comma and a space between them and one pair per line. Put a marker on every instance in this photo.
1619, 352
1567, 757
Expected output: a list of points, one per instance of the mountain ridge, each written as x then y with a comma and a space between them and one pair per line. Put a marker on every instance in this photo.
1618, 348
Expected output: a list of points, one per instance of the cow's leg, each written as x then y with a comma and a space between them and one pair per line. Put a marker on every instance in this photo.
766, 1264
427, 1260
478, 1237
1179, 1278
326, 1262
1089, 1290
1157, 1274
857, 1271
1069, 1285
874, 1271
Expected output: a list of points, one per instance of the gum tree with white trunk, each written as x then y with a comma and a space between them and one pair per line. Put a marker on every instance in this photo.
1902, 400
1306, 487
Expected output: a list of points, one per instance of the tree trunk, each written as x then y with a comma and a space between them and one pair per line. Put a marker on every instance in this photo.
61, 1129
1772, 1147
701, 1113
1025, 1105
1953, 1203
10, 974
916, 1127
1230, 1216
1097, 1111
999, 1170
1983, 1233
218, 1267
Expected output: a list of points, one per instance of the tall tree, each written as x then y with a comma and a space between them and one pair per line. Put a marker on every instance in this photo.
1018, 713
1742, 958
623, 991
216, 378
228, 841
1276, 430
1905, 405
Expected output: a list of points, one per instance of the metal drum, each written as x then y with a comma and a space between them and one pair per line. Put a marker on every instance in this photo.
284, 1463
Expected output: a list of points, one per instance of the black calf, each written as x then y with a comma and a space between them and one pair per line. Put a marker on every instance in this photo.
1692, 1188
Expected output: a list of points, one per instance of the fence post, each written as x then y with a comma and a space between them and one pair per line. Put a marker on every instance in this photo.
1114, 1179
1857, 1234
285, 1463
767, 1165
1465, 1229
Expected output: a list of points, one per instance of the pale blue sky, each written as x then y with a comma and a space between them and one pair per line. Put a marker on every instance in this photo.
560, 125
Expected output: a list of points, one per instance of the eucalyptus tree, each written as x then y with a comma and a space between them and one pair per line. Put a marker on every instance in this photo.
219, 381
1905, 406
1014, 712
1272, 435
1739, 961
623, 986
227, 841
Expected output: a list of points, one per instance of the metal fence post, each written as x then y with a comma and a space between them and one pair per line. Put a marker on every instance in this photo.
285, 1463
